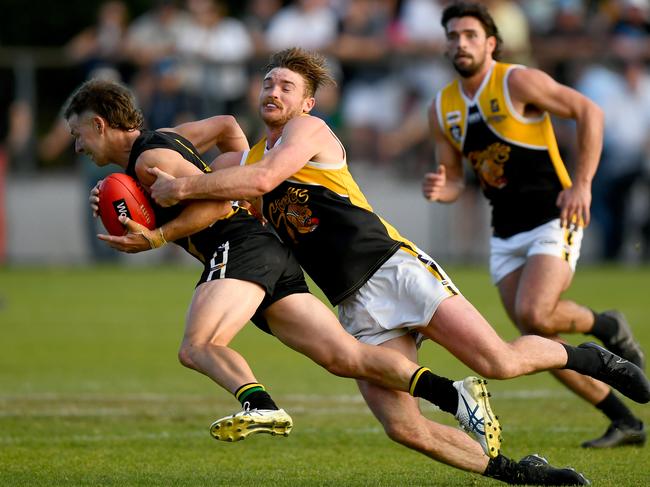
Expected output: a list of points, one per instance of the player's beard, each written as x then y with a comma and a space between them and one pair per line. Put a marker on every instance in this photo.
275, 119
469, 70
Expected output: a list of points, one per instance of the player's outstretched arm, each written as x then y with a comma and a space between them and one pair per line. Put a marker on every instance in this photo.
531, 87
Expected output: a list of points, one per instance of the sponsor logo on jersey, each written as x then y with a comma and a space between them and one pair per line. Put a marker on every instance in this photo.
496, 118
453, 117
455, 132
474, 118
494, 105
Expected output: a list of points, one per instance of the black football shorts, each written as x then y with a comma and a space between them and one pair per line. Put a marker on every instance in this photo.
260, 258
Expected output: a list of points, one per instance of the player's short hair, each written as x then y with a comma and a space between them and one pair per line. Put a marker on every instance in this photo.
479, 12
108, 99
311, 66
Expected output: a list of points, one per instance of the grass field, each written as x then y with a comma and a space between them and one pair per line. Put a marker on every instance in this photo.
91, 393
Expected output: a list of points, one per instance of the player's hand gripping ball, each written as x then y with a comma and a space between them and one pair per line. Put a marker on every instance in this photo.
120, 194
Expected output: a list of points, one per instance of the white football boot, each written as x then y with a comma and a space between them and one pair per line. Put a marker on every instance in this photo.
475, 415
246, 422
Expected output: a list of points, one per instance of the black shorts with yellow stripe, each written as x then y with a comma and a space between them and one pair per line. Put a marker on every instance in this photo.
260, 258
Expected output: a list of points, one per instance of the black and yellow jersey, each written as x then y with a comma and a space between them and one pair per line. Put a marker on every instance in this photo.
321, 214
238, 223
515, 158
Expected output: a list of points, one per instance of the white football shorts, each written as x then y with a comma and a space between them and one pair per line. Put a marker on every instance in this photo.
509, 254
399, 298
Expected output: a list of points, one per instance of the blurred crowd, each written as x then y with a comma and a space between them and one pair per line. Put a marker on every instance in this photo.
195, 58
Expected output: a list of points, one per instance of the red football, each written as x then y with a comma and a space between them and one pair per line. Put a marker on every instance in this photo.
120, 194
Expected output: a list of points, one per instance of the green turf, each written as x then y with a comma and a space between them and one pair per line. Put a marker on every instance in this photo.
91, 393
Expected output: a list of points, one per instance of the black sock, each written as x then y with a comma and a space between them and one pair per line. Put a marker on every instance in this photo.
605, 327
256, 397
583, 360
435, 389
617, 411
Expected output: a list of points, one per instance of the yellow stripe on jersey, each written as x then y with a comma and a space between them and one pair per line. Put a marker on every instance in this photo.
206, 168
556, 159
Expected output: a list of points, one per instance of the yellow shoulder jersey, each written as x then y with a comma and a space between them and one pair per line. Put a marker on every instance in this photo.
515, 158
321, 214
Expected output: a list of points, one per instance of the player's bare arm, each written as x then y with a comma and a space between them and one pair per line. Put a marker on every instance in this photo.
448, 182
303, 139
195, 216
228, 159
534, 89
221, 131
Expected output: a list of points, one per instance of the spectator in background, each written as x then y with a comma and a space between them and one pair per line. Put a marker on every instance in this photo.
514, 29
101, 46
20, 134
362, 48
99, 50
257, 19
570, 28
417, 41
213, 51
624, 96
310, 24
633, 21
541, 13
151, 47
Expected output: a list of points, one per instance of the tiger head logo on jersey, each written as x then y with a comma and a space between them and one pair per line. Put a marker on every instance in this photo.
300, 217
291, 209
489, 165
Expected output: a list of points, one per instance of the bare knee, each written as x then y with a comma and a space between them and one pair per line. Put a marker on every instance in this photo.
342, 366
533, 318
501, 365
188, 352
185, 356
403, 433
